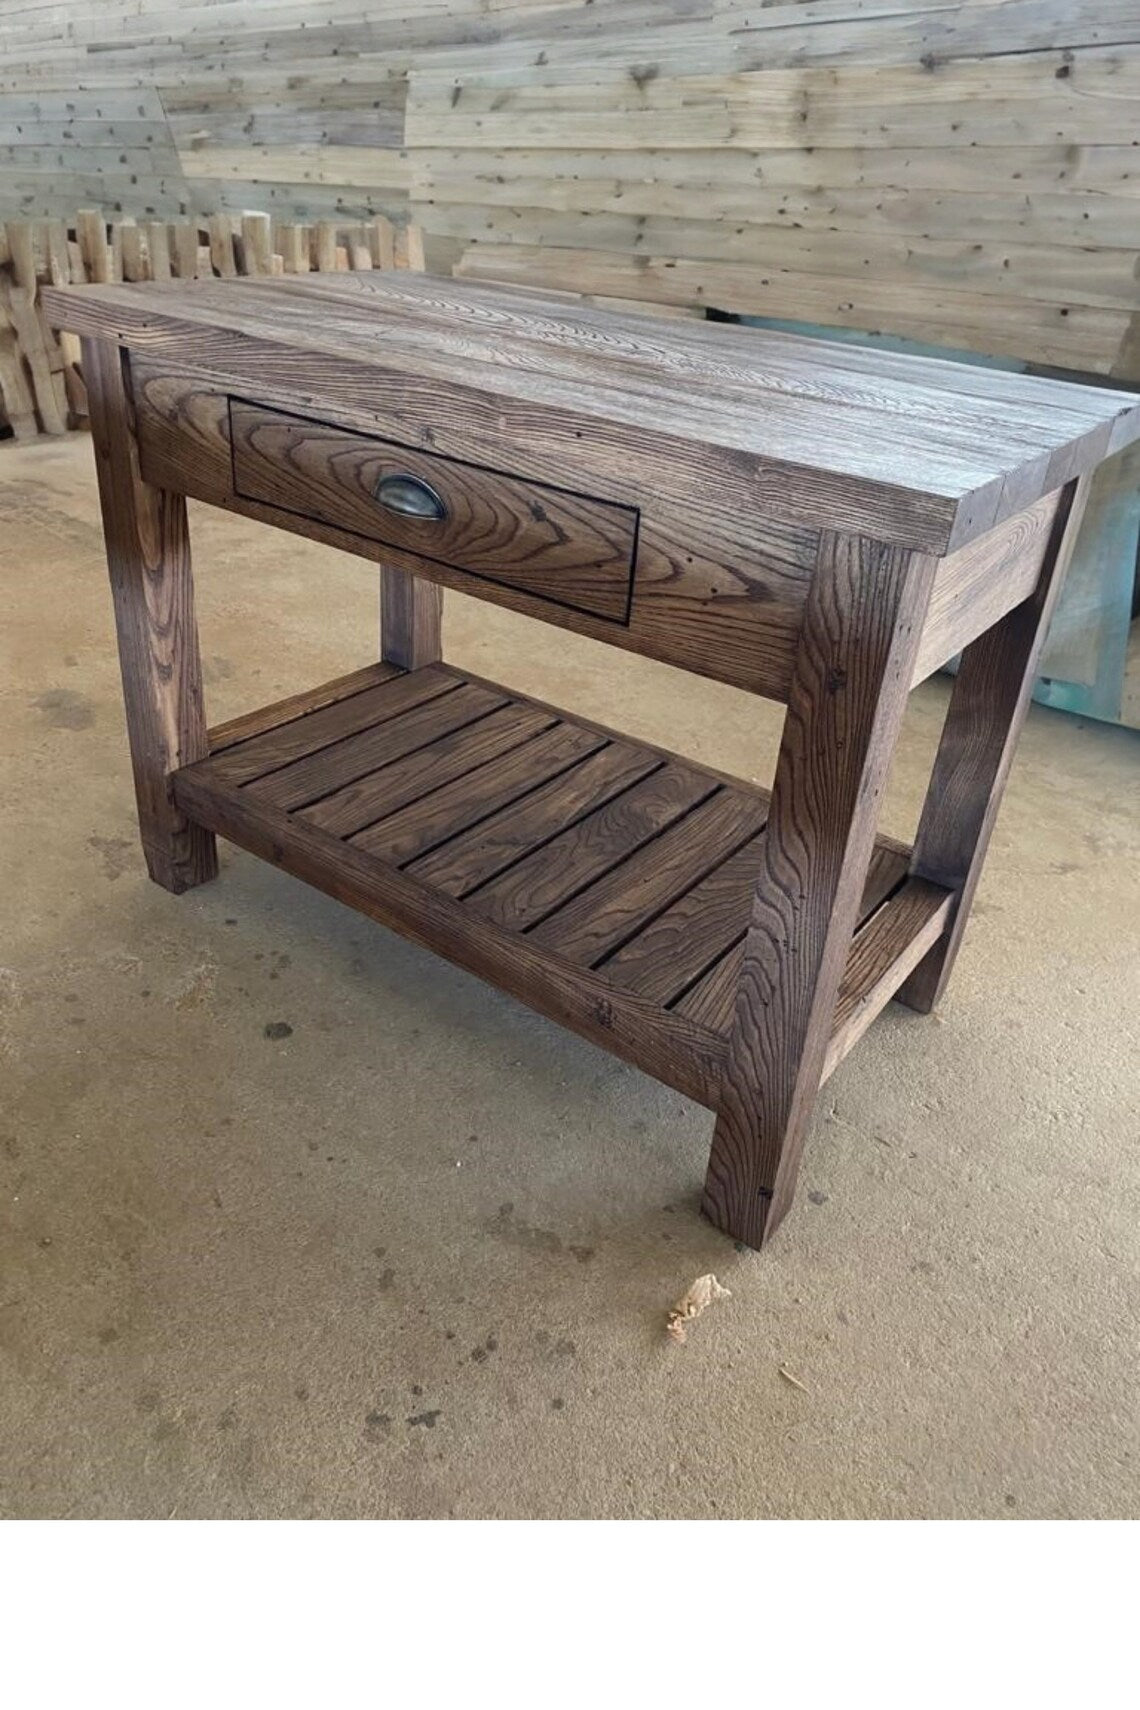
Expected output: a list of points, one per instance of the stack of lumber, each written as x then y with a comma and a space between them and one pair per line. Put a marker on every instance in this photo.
41, 386
960, 172
39, 381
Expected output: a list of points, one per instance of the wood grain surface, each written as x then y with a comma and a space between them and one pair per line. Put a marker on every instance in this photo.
856, 658
261, 719
719, 587
950, 171
148, 559
883, 952
979, 584
560, 545
711, 998
734, 945
411, 619
987, 709
598, 878
928, 456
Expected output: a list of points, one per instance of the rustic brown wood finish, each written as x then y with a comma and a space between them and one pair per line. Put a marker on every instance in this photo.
719, 592
825, 526
148, 557
561, 546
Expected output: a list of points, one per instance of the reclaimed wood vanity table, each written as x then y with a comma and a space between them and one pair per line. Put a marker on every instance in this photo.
821, 525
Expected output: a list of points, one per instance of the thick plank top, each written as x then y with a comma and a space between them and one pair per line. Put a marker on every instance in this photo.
921, 451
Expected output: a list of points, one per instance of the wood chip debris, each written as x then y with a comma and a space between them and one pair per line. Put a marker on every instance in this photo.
790, 1377
692, 1303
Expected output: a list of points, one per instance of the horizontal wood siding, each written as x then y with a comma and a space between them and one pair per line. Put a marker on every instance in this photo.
956, 172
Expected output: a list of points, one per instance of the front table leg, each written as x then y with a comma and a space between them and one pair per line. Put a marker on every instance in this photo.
861, 629
148, 558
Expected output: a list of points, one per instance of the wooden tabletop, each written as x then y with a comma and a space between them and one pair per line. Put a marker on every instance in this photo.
979, 444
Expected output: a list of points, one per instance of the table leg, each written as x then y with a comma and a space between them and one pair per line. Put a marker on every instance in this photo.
148, 558
411, 617
987, 709
856, 653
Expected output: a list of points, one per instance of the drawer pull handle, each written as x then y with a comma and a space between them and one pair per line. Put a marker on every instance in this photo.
408, 496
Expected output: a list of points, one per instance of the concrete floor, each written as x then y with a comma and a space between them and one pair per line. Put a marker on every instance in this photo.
412, 1259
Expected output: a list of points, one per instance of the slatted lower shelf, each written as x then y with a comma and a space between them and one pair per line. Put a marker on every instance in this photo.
604, 882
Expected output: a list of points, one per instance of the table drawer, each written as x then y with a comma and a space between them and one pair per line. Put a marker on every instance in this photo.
543, 540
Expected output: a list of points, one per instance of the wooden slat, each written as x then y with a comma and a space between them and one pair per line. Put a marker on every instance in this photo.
454, 755
21, 255
672, 1049
292, 707
883, 953
355, 756
257, 244
158, 248
281, 745
91, 231
222, 245
691, 935
186, 247
447, 812
292, 242
383, 242
325, 246
135, 260
710, 1001
596, 855
30, 337
15, 393
609, 734
540, 836
896, 261
838, 106
614, 908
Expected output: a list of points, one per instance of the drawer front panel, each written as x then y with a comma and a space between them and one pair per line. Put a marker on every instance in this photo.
557, 545
719, 589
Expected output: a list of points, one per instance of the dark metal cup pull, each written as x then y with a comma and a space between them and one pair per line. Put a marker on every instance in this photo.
408, 496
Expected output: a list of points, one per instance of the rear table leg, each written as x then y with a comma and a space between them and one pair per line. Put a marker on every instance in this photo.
987, 710
148, 558
857, 647
411, 617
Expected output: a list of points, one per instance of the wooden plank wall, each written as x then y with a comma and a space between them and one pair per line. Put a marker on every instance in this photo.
962, 172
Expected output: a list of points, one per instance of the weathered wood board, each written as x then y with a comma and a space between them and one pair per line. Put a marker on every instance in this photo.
958, 172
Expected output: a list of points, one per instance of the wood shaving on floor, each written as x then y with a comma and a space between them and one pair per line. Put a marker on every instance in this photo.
692, 1303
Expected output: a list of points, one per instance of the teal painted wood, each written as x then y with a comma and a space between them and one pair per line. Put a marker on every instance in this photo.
1086, 654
